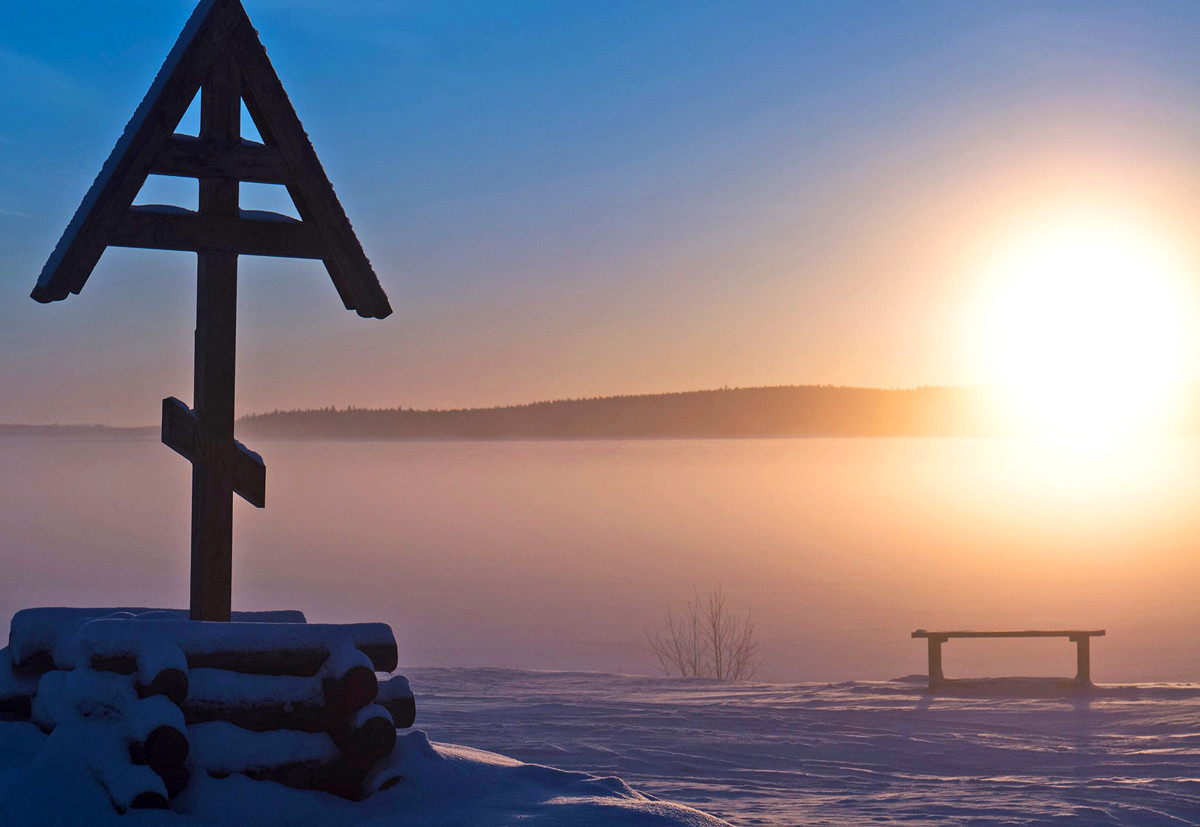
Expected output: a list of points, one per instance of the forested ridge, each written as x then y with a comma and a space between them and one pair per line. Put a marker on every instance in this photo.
808, 410
782, 411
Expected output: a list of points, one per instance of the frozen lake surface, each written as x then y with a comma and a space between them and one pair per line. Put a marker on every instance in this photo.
846, 753
559, 555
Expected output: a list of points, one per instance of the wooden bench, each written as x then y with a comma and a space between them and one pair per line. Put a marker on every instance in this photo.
1081, 638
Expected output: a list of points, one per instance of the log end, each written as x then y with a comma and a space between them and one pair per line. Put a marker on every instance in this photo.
149, 801
402, 709
384, 654
19, 708
354, 689
166, 749
173, 683
373, 740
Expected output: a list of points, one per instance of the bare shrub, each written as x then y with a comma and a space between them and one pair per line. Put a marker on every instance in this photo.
707, 640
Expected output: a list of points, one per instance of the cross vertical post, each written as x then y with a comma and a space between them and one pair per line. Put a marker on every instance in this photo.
216, 340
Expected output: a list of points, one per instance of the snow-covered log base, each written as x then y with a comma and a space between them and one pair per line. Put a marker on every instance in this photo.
149, 701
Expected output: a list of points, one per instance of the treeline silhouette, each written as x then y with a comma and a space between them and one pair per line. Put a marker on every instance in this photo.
784, 411
808, 410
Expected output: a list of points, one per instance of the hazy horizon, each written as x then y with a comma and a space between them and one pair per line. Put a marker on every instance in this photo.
558, 555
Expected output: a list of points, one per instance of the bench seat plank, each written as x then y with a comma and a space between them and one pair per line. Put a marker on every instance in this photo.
921, 633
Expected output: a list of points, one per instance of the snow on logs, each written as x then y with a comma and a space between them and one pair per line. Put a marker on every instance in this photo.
45, 639
306, 760
267, 695
136, 748
160, 653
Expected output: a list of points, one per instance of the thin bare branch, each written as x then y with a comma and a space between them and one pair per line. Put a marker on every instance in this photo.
707, 641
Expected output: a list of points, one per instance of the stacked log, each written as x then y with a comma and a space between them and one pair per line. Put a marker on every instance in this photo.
45, 639
396, 696
17, 689
162, 697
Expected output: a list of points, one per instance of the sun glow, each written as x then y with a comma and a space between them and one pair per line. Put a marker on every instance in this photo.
1087, 327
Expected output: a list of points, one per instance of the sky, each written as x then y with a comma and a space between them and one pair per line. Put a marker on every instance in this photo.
595, 198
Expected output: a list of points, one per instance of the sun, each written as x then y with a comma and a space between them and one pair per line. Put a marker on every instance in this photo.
1087, 326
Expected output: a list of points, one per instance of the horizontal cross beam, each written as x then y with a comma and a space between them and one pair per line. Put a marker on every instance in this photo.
242, 469
251, 233
188, 157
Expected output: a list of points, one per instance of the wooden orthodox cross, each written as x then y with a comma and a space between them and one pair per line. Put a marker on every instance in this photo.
220, 57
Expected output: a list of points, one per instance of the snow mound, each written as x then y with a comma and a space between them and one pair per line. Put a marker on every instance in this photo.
144, 717
430, 784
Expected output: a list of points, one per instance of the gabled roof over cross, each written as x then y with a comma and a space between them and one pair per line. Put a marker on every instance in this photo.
218, 30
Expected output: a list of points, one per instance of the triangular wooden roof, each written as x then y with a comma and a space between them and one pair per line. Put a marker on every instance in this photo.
150, 145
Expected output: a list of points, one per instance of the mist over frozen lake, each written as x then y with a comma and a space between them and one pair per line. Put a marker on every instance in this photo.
558, 555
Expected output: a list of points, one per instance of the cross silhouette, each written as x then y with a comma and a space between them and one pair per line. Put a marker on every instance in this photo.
220, 57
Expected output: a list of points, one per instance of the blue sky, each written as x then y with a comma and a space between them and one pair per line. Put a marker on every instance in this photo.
586, 198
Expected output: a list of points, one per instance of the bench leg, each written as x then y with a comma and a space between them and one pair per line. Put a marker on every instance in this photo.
1083, 658
935, 662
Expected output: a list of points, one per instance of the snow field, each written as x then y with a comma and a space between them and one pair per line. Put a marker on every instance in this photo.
845, 753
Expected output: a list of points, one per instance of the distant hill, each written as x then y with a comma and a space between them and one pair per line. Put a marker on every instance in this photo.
742, 412
785, 411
